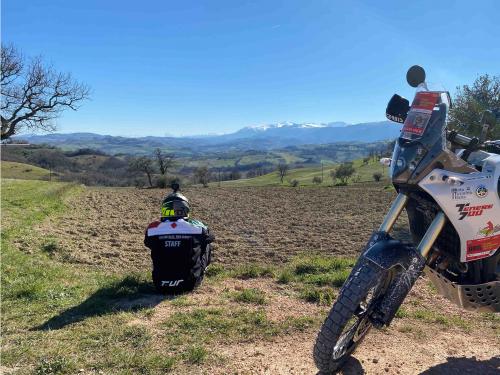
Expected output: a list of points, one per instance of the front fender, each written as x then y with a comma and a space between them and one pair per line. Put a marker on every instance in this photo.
386, 252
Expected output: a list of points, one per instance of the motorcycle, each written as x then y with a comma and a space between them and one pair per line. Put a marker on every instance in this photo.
449, 185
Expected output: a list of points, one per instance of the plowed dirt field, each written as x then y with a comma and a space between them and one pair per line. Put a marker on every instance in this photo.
105, 227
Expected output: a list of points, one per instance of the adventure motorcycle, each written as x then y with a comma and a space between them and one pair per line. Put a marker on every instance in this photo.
449, 185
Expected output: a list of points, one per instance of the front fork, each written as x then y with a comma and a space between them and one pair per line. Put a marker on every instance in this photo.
430, 235
405, 279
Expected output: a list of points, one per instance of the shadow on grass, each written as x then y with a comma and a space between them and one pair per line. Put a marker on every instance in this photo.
128, 294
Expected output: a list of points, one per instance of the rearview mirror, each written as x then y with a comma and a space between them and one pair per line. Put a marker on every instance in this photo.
397, 109
415, 76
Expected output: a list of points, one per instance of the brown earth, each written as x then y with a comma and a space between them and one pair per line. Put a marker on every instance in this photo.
105, 228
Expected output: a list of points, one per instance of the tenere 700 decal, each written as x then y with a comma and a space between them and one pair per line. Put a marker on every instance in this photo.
465, 209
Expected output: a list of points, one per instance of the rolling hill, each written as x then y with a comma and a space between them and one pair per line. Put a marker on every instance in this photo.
23, 171
266, 137
364, 173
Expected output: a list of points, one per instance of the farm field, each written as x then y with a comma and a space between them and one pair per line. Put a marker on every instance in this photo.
76, 295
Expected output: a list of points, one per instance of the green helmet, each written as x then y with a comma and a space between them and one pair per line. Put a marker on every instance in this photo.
175, 206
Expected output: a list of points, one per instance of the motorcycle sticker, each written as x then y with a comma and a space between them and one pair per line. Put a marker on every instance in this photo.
425, 100
481, 191
465, 209
481, 248
419, 115
461, 193
489, 229
479, 177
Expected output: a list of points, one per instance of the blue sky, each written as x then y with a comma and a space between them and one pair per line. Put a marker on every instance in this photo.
197, 67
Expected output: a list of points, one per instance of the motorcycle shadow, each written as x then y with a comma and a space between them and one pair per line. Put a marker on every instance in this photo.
452, 366
460, 365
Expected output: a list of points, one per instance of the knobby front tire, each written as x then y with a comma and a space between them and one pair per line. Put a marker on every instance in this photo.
348, 321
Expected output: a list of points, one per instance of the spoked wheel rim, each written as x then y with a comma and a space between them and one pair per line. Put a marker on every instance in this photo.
359, 325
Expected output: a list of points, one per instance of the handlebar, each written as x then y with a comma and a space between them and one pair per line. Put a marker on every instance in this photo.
466, 142
458, 139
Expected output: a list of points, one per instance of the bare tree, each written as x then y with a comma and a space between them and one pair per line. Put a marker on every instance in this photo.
282, 170
34, 94
202, 175
143, 164
317, 180
333, 176
165, 161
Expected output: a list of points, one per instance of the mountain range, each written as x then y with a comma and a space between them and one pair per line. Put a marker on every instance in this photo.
263, 137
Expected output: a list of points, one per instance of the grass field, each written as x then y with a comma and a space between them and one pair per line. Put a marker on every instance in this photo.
77, 297
23, 171
364, 173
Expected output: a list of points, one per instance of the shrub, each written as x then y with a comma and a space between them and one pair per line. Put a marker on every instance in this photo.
294, 183
377, 176
317, 180
344, 172
161, 182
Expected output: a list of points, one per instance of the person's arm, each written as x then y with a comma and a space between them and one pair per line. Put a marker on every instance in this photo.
210, 237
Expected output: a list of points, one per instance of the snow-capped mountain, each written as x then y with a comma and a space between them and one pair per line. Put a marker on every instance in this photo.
294, 125
291, 133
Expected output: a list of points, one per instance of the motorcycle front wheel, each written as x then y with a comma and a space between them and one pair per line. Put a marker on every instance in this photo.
349, 319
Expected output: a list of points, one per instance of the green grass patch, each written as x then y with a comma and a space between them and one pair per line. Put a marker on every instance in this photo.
249, 295
315, 276
215, 270
304, 322
244, 272
319, 295
431, 316
202, 326
401, 313
252, 271
207, 324
181, 301
196, 354
55, 365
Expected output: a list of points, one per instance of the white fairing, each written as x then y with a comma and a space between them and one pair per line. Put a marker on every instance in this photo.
471, 203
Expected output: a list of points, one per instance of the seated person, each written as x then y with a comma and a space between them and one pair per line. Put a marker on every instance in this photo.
180, 247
